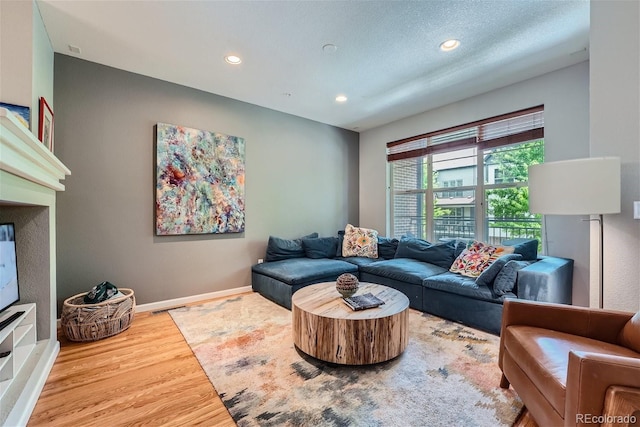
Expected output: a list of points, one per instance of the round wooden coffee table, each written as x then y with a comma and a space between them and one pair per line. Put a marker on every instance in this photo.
325, 327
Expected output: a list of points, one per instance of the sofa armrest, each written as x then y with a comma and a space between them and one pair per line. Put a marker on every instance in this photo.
598, 324
589, 375
549, 279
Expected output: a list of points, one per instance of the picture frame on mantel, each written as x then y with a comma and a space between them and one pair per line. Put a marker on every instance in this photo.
22, 113
45, 127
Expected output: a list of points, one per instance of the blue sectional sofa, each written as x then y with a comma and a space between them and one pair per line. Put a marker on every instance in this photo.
421, 271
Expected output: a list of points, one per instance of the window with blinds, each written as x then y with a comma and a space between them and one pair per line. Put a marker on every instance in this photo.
468, 181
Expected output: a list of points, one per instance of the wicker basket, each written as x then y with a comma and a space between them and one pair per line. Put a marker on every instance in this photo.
92, 322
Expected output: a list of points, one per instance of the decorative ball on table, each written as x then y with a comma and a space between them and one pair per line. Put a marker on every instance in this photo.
347, 284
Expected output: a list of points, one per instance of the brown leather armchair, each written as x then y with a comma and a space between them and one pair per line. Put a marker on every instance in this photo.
567, 363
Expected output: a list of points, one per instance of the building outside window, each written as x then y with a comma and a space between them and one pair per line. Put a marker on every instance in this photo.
467, 182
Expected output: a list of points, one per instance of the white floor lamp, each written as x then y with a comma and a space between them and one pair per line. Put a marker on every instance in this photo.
577, 187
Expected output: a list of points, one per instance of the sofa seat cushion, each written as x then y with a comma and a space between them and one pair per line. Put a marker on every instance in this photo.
543, 356
300, 270
458, 284
359, 260
403, 269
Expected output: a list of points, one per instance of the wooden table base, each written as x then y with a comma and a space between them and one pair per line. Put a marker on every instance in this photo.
326, 328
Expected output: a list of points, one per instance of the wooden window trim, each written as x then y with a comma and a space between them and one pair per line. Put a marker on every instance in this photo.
530, 134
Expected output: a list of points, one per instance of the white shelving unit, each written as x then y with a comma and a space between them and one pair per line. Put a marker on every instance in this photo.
19, 337
30, 178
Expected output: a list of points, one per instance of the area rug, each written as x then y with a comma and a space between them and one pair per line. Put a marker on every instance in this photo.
447, 376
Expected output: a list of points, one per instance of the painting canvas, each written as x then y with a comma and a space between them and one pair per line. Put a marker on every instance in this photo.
200, 181
23, 114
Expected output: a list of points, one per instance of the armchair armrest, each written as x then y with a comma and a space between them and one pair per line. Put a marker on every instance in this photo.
589, 375
599, 324
549, 279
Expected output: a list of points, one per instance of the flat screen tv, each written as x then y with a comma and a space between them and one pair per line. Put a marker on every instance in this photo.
9, 291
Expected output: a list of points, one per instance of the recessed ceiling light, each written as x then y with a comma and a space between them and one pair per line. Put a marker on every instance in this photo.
232, 59
449, 45
341, 98
329, 48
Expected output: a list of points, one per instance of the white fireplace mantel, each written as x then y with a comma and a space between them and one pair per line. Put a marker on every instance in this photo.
23, 155
30, 178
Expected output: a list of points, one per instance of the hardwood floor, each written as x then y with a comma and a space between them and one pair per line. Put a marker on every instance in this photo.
525, 420
146, 375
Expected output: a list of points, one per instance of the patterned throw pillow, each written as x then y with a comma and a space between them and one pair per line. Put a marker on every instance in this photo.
500, 251
478, 256
360, 241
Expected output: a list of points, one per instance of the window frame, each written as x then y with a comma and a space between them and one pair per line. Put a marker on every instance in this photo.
421, 149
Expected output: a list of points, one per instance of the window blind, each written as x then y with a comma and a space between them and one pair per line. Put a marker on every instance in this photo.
518, 126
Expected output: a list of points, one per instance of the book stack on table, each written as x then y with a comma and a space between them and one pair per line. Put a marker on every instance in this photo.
363, 302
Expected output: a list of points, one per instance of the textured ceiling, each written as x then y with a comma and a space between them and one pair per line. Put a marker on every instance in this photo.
387, 60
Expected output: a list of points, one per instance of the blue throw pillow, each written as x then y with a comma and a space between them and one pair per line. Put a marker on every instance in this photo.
528, 248
441, 254
387, 247
279, 249
489, 273
505, 281
321, 247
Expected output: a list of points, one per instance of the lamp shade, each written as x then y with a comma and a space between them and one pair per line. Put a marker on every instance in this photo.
575, 187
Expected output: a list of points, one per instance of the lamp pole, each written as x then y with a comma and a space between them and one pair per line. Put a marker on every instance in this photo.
600, 220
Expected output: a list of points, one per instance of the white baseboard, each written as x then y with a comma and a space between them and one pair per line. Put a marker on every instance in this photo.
170, 303
162, 305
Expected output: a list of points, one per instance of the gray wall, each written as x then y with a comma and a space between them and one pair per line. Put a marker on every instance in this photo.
301, 177
615, 131
565, 95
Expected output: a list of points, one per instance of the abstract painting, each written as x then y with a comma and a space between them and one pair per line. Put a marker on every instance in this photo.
200, 181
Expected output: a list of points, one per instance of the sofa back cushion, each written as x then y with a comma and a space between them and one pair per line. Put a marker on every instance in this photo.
528, 248
340, 242
630, 334
387, 247
279, 249
441, 254
321, 247
411, 247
